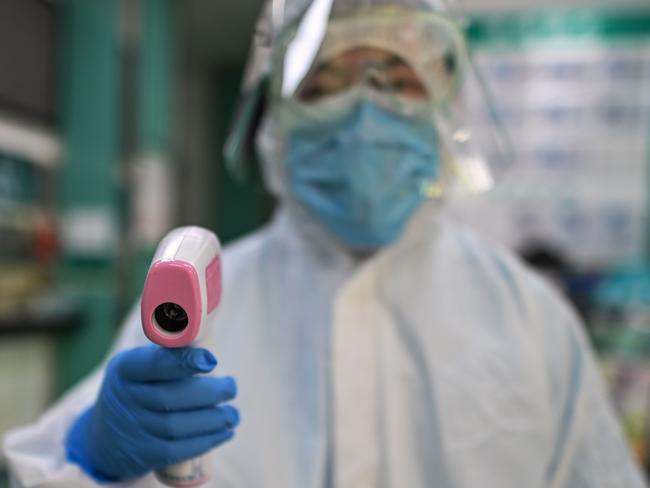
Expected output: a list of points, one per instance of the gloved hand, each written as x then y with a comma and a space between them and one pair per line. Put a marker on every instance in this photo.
152, 411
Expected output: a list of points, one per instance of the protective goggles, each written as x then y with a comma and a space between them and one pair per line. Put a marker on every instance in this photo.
396, 52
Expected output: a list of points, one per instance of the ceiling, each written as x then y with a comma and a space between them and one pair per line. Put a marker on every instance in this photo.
492, 5
218, 31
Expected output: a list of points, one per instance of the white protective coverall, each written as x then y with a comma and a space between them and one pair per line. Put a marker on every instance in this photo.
440, 361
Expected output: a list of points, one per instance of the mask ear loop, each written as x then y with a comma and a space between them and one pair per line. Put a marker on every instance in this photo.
437, 188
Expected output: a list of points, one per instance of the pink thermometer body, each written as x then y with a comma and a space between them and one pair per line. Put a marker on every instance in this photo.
183, 287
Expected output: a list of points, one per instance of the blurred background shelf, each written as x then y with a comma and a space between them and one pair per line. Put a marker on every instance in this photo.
42, 319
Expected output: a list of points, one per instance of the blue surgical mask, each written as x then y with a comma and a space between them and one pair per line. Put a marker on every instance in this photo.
363, 176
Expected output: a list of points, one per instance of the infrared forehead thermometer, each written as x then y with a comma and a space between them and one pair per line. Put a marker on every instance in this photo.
182, 289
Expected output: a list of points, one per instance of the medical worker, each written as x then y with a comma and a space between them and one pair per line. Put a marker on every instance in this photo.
364, 340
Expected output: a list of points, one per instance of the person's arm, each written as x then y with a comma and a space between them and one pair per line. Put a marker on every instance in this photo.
590, 450
156, 407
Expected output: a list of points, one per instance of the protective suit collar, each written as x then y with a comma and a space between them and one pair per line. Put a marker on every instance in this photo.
302, 233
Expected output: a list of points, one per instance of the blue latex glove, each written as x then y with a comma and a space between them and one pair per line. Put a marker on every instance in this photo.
152, 411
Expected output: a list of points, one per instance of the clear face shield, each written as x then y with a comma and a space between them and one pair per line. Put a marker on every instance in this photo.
410, 60
314, 60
